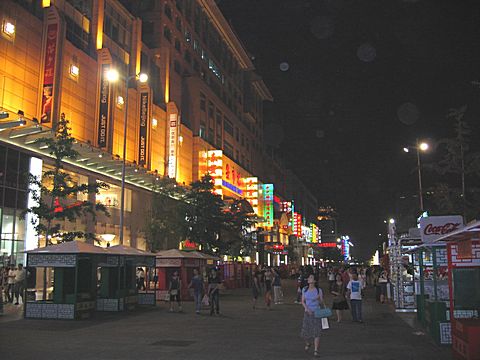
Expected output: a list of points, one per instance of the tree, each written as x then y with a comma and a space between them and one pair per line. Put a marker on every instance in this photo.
460, 162
237, 234
165, 224
54, 193
205, 215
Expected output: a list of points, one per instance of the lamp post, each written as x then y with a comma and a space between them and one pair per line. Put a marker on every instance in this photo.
422, 146
113, 76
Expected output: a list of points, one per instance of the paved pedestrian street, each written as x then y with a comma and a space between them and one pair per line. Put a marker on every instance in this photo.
238, 333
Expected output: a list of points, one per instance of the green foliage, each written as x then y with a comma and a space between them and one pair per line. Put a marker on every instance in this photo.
237, 236
205, 215
460, 168
54, 194
165, 224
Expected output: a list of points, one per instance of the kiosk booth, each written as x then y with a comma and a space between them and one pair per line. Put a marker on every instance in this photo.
431, 289
463, 253
169, 261
70, 285
134, 259
81, 278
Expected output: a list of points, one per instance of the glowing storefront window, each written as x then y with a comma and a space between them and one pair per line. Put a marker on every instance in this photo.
112, 197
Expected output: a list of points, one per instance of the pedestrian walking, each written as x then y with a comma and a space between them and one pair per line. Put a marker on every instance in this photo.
382, 282
20, 282
214, 292
339, 300
174, 290
256, 288
331, 278
268, 288
354, 292
312, 299
277, 288
198, 288
10, 283
140, 279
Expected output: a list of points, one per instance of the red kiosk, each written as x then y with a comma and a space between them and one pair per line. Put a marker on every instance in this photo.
169, 261
463, 251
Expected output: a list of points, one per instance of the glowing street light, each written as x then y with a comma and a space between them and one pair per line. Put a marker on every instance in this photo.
419, 146
114, 76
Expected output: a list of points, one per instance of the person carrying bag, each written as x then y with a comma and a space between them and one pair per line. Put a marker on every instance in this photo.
312, 301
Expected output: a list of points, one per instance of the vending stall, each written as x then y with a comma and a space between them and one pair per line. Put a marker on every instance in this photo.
169, 261
431, 290
463, 254
135, 259
69, 288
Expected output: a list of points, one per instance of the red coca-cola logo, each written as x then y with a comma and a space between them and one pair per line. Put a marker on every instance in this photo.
441, 229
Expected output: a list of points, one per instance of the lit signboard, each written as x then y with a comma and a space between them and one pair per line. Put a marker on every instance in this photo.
345, 247
215, 169
298, 225
251, 192
227, 176
327, 245
268, 204
172, 145
314, 233
143, 130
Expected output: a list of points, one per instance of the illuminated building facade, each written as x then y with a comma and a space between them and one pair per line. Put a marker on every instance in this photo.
200, 111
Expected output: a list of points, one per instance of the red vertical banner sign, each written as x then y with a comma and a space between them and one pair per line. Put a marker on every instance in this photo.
142, 145
49, 73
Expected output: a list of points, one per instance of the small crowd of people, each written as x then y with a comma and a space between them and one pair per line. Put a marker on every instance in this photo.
266, 280
12, 284
346, 285
205, 290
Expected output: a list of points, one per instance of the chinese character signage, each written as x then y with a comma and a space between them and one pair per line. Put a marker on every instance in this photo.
142, 145
49, 73
313, 233
297, 229
103, 108
172, 145
251, 192
215, 169
268, 204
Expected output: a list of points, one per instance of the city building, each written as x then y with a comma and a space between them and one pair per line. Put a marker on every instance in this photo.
200, 111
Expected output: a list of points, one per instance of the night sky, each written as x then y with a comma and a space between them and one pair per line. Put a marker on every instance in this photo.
354, 81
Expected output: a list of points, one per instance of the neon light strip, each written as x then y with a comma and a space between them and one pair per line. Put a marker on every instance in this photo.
232, 187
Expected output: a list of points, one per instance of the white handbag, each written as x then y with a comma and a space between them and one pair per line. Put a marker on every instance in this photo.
325, 325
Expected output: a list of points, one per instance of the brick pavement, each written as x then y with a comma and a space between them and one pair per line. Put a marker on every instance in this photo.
239, 333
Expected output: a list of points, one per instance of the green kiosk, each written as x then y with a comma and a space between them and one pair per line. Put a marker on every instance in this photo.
69, 280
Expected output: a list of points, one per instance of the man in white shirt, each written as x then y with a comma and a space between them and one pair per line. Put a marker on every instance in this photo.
20, 280
10, 283
354, 292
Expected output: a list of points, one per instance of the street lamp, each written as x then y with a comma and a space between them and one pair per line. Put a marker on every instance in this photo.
114, 76
419, 146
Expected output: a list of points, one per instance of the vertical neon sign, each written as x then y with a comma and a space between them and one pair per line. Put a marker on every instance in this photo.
268, 204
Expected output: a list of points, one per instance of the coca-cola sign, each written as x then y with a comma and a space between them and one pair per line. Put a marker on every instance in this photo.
434, 227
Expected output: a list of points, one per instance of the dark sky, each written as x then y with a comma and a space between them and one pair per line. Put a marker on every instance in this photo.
356, 80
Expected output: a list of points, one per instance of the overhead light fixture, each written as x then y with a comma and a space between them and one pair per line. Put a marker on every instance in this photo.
8, 28
143, 78
120, 100
154, 123
112, 75
74, 70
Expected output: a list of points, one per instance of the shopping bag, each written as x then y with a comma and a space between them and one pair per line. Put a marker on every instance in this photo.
323, 312
167, 297
325, 325
205, 301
